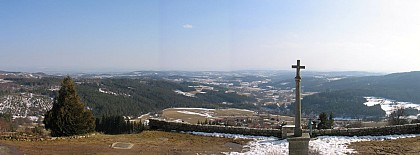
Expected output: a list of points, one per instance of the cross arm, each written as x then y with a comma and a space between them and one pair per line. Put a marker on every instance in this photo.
300, 67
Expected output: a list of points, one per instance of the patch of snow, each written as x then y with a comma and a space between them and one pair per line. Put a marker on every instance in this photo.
107, 92
184, 93
146, 123
195, 113
143, 115
284, 83
388, 105
334, 79
103, 90
25, 105
339, 144
320, 145
33, 118
288, 126
246, 110
193, 109
5, 81
345, 119
178, 120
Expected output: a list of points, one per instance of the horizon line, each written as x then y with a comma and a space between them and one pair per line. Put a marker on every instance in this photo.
104, 71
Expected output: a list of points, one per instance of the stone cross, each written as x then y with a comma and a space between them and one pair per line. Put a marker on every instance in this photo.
298, 110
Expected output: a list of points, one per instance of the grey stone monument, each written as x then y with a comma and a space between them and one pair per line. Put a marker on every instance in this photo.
298, 143
298, 110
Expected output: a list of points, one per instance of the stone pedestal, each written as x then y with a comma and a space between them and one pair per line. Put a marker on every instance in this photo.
287, 129
299, 145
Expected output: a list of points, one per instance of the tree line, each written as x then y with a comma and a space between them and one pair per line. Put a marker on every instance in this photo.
69, 116
139, 96
136, 96
117, 125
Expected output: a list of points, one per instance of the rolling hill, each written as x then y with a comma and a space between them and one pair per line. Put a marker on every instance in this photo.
345, 97
126, 96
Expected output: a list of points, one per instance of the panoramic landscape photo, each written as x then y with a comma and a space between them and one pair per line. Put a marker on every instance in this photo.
233, 77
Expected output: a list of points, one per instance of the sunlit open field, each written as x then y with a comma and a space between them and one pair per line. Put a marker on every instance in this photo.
193, 115
147, 142
398, 146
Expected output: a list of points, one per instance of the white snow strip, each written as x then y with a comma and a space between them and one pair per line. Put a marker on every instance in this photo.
144, 115
239, 109
334, 79
194, 113
321, 145
178, 120
193, 109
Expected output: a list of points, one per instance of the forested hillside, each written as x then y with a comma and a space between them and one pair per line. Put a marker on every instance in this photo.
343, 103
139, 96
132, 96
345, 97
399, 86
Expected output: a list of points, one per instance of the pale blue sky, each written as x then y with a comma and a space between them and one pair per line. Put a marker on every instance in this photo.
381, 35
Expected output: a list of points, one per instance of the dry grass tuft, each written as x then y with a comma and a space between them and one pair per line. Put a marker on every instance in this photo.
398, 146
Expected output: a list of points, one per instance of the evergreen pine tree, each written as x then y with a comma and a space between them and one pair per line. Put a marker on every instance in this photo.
323, 124
68, 115
331, 121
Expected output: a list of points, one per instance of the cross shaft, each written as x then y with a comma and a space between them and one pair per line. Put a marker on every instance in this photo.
298, 127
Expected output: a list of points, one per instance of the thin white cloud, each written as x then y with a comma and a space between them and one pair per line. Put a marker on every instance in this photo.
187, 26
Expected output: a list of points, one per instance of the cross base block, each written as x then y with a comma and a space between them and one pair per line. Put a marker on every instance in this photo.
299, 145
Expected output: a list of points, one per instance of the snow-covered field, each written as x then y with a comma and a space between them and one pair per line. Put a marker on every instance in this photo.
5, 81
329, 145
195, 113
194, 109
24, 105
391, 105
209, 113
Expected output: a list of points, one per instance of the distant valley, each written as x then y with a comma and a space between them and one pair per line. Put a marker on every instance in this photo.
141, 92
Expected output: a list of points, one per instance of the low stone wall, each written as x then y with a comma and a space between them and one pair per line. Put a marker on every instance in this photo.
370, 131
178, 126
15, 136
